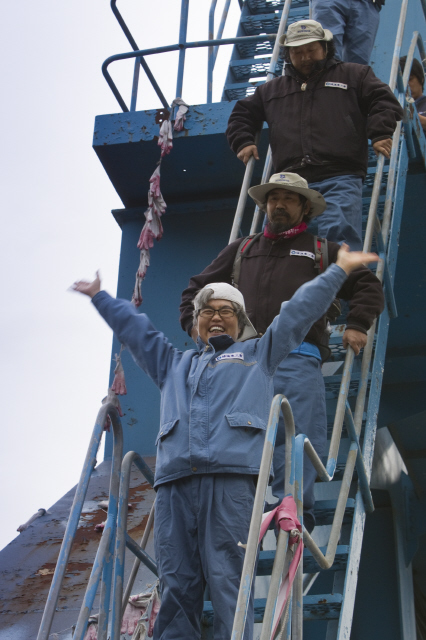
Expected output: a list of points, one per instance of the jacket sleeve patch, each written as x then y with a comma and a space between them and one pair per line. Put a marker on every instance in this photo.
337, 85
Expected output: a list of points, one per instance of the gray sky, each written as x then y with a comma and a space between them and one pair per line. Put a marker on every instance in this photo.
57, 226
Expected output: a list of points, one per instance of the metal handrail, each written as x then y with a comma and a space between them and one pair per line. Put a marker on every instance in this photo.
279, 402
212, 53
118, 602
79, 497
239, 212
295, 447
168, 48
135, 47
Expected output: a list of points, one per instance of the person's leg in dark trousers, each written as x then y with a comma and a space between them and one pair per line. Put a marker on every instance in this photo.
300, 379
178, 561
199, 521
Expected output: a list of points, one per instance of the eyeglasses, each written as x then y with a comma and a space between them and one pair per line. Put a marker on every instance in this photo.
225, 312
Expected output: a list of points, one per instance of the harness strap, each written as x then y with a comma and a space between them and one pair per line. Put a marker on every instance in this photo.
321, 254
236, 268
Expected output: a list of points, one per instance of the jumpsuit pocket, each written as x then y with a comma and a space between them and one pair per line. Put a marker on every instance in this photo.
247, 420
165, 429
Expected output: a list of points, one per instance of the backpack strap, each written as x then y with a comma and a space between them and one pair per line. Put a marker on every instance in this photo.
321, 254
236, 267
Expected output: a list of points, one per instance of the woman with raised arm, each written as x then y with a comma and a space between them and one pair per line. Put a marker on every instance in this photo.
215, 403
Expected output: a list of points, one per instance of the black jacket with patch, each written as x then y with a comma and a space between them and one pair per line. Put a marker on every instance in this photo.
318, 127
271, 272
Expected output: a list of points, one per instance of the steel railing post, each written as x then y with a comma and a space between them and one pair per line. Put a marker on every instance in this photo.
210, 59
182, 41
72, 524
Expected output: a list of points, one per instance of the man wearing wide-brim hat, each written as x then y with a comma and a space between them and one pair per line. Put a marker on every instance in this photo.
320, 114
268, 269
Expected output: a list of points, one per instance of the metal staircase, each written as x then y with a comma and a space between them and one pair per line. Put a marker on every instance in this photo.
250, 63
353, 384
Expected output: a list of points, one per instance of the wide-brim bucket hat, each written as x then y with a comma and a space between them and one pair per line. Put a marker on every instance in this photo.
225, 291
290, 182
304, 32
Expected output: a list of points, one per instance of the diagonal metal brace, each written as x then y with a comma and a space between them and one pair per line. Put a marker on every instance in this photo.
141, 554
360, 467
389, 295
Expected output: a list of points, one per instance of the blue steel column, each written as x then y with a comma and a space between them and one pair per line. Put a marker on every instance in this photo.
221, 28
135, 84
210, 62
182, 40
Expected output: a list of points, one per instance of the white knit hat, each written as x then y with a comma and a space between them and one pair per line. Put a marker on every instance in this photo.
225, 291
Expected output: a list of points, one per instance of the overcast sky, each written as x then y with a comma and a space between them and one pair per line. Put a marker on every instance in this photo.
56, 224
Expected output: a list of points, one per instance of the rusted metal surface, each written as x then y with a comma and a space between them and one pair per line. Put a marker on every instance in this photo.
28, 562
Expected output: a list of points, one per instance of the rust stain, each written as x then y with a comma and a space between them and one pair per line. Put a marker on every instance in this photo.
137, 531
135, 493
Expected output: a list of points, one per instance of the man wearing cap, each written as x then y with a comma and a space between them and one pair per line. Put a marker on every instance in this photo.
416, 83
320, 115
274, 266
212, 427
353, 25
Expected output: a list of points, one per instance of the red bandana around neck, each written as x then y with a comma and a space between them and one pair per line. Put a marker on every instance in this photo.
294, 231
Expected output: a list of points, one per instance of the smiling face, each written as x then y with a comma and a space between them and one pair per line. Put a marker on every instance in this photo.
217, 326
303, 58
285, 210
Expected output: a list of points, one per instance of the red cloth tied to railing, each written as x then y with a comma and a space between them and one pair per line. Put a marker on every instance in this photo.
285, 516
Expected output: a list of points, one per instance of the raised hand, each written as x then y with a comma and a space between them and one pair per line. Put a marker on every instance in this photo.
88, 288
350, 260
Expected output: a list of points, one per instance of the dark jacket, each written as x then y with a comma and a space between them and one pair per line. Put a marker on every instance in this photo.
270, 274
322, 130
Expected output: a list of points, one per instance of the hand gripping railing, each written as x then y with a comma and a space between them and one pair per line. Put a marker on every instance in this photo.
100, 562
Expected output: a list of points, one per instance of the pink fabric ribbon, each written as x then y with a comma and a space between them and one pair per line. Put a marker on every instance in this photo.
290, 233
285, 516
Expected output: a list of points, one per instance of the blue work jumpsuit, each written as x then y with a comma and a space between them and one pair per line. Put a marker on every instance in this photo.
215, 403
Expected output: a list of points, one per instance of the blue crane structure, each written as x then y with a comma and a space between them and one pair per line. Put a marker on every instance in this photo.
365, 567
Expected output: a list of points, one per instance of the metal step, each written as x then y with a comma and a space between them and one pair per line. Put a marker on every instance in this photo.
324, 511
319, 607
269, 22
270, 6
266, 560
252, 68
